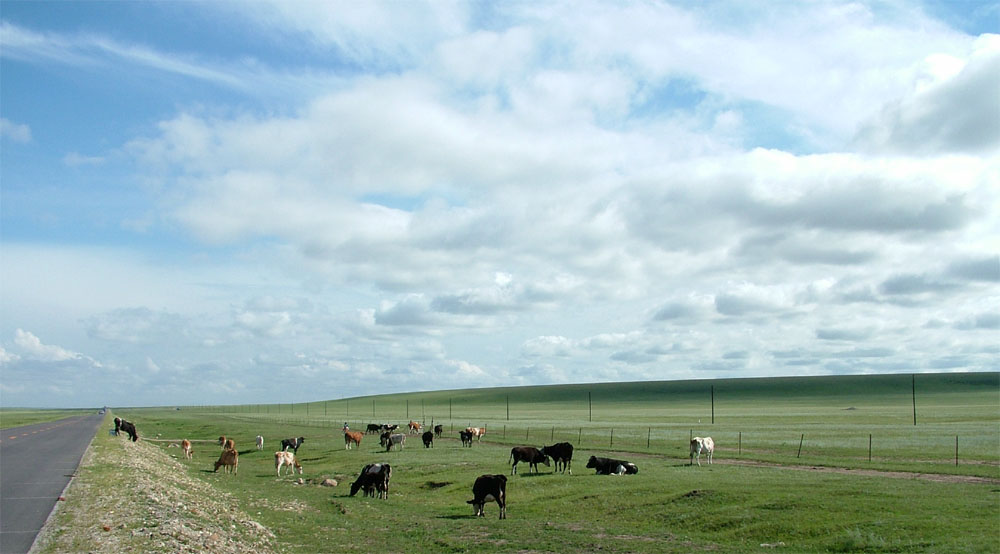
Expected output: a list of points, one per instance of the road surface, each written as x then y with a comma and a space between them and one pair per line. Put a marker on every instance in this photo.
36, 463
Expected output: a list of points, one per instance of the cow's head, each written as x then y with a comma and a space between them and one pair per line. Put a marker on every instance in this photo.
545, 460
592, 462
355, 487
477, 507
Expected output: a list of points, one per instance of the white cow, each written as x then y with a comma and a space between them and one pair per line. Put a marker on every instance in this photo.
699, 445
286, 459
260, 442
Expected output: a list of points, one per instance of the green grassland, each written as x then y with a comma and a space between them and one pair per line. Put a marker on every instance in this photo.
762, 491
16, 417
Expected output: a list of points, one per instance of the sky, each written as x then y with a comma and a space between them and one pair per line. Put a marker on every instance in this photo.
262, 202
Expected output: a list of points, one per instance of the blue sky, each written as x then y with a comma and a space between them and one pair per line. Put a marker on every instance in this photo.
285, 201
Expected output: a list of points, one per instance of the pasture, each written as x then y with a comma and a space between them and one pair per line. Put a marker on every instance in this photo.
16, 417
763, 492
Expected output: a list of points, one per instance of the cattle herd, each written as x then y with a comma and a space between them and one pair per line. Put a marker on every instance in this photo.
373, 479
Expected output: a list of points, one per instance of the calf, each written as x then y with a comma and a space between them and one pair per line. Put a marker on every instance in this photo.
352, 437
222, 442
489, 488
561, 453
528, 454
438, 431
129, 428
414, 427
186, 447
428, 438
286, 459
374, 478
699, 445
391, 440
466, 438
293, 443
609, 466
230, 445
373, 428
260, 442
230, 459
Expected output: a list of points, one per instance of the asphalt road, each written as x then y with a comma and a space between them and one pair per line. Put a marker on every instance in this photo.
36, 463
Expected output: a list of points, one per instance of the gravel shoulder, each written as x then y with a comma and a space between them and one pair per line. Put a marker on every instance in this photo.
134, 497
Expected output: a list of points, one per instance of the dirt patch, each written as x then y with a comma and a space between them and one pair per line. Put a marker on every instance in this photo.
935, 477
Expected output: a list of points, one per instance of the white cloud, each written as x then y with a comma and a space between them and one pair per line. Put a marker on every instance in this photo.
32, 347
17, 132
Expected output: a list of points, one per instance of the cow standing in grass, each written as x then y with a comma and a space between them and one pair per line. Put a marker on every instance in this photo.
561, 453
699, 445
352, 437
528, 454
489, 488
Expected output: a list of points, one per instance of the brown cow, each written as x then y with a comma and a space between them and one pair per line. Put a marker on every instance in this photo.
230, 459
186, 447
352, 437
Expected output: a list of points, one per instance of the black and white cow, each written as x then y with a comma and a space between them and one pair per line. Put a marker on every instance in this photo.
293, 443
374, 480
561, 453
489, 488
428, 439
528, 454
466, 438
609, 466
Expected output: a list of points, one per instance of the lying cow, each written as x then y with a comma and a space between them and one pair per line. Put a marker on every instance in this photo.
699, 445
260, 442
466, 438
293, 443
374, 478
609, 466
560, 453
286, 459
186, 447
352, 437
230, 459
489, 488
528, 454
428, 439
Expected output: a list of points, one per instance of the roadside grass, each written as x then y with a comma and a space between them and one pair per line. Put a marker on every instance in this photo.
668, 507
16, 417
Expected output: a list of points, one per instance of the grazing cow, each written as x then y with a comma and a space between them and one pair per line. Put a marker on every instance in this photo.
129, 428
374, 478
561, 452
186, 447
699, 445
373, 428
609, 466
293, 443
528, 454
428, 438
260, 442
489, 488
438, 431
477, 432
286, 459
230, 459
392, 440
466, 438
414, 427
352, 437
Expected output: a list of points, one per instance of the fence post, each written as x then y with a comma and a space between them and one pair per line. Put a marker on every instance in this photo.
579, 440
869, 448
740, 451
649, 432
612, 437
800, 444
553, 436
526, 431
956, 450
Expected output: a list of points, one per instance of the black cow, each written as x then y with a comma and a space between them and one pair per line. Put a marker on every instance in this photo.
373, 428
438, 431
428, 438
129, 428
488, 488
560, 453
466, 438
528, 454
374, 478
118, 425
293, 443
609, 466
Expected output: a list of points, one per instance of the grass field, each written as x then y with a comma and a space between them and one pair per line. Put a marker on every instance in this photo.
18, 416
749, 498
